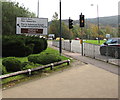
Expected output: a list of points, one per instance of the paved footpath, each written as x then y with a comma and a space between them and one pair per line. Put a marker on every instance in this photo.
80, 81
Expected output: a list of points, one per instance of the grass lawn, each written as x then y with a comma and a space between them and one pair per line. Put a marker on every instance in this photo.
95, 41
24, 59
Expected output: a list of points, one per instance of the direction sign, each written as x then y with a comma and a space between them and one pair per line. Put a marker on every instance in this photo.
32, 25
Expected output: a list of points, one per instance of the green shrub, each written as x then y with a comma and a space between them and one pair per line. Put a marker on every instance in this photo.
21, 46
44, 58
28, 67
11, 64
40, 44
3, 70
24, 64
16, 47
34, 59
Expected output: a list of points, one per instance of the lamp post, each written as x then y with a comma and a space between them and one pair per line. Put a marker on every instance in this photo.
38, 10
97, 21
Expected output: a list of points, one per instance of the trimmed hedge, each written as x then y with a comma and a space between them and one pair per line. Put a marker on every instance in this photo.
21, 46
39, 44
44, 58
12, 64
3, 70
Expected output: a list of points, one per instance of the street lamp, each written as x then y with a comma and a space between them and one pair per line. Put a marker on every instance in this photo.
38, 10
97, 21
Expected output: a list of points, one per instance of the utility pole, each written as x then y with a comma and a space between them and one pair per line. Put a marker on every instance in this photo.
60, 41
98, 24
38, 10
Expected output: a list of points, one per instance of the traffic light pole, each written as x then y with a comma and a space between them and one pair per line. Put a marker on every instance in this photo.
69, 36
82, 25
60, 41
82, 41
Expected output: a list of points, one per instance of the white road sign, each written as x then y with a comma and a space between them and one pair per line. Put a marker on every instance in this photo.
32, 25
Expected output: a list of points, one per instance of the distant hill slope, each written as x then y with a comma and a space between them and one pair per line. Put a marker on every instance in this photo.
111, 21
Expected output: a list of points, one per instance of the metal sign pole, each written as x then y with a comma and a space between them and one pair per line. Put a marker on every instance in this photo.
60, 42
70, 38
82, 41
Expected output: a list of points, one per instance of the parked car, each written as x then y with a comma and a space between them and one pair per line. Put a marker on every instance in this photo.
77, 38
111, 47
59, 38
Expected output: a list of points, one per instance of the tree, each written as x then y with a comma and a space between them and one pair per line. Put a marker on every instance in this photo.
11, 10
54, 28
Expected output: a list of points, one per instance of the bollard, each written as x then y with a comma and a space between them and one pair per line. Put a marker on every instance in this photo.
52, 65
29, 71
68, 63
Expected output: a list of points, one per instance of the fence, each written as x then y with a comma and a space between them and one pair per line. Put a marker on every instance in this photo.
89, 50
34, 69
74, 46
93, 51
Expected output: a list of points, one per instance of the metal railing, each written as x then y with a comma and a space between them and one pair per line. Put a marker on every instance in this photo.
51, 66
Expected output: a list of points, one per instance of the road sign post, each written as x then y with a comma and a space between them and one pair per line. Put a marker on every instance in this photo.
60, 41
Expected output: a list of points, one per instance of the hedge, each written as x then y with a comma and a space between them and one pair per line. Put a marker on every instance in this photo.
12, 64
3, 70
44, 58
21, 46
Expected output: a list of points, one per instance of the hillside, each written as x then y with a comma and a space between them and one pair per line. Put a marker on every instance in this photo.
112, 21
104, 21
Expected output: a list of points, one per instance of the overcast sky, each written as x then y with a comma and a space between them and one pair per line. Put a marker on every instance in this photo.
72, 8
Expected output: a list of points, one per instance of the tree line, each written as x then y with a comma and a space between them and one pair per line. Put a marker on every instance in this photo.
11, 10
90, 31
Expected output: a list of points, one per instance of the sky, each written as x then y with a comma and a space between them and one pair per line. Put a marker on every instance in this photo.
72, 8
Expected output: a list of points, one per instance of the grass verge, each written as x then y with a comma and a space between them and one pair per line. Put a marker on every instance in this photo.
94, 42
11, 81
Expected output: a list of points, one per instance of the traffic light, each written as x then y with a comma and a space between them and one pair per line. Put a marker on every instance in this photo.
70, 23
82, 21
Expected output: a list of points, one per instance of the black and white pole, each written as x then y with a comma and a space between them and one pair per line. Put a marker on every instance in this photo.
60, 41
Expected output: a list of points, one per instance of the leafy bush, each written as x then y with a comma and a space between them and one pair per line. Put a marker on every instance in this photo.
3, 70
39, 44
11, 64
28, 67
24, 64
44, 58
15, 48
20, 46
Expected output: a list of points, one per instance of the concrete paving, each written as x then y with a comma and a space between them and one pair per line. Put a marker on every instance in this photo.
85, 81
80, 81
